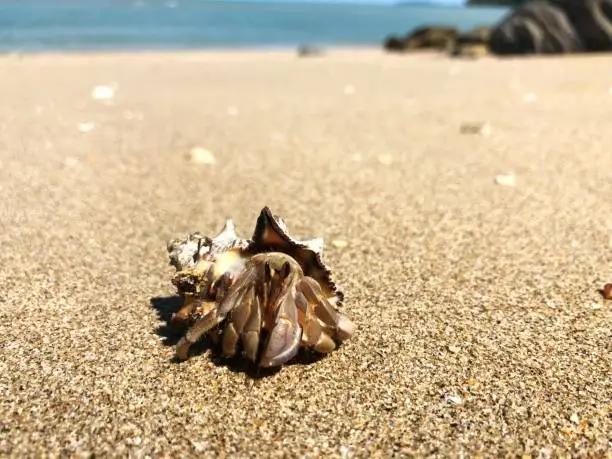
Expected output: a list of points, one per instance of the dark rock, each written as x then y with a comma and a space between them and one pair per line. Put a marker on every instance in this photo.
309, 51
477, 36
395, 43
555, 26
441, 38
536, 27
471, 51
592, 20
432, 37
472, 44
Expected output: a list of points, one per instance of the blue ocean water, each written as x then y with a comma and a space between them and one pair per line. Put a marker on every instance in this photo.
59, 25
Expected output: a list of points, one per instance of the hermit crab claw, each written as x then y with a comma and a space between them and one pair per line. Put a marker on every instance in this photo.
284, 339
265, 298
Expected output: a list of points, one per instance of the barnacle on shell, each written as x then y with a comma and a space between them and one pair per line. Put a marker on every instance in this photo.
269, 295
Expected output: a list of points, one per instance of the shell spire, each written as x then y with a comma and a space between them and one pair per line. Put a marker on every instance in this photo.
271, 235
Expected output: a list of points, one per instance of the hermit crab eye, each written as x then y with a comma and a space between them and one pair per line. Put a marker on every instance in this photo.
267, 273
285, 270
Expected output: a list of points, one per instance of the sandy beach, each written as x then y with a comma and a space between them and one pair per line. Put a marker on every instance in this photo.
471, 262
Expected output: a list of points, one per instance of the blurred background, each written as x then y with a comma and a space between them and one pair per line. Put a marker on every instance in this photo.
49, 25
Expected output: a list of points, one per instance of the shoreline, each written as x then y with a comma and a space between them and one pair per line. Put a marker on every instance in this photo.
335, 52
196, 51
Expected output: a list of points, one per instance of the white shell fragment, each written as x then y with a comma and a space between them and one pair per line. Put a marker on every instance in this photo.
199, 155
339, 243
71, 161
530, 97
86, 127
349, 90
506, 179
103, 93
385, 159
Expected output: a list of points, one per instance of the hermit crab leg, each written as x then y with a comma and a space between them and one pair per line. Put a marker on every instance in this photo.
346, 327
284, 339
213, 315
250, 333
342, 327
313, 335
181, 316
193, 299
238, 318
220, 288
202, 325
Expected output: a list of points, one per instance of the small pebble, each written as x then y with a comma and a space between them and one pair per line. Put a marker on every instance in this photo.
102, 93
484, 129
454, 399
575, 418
506, 180
607, 292
453, 349
339, 243
309, 51
71, 161
200, 155
385, 159
595, 306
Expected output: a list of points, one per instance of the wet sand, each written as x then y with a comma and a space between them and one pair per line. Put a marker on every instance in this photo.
481, 329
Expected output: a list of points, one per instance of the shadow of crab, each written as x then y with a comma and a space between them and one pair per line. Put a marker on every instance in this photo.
167, 306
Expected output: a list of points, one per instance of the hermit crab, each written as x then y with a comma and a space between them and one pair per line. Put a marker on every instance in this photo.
266, 297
